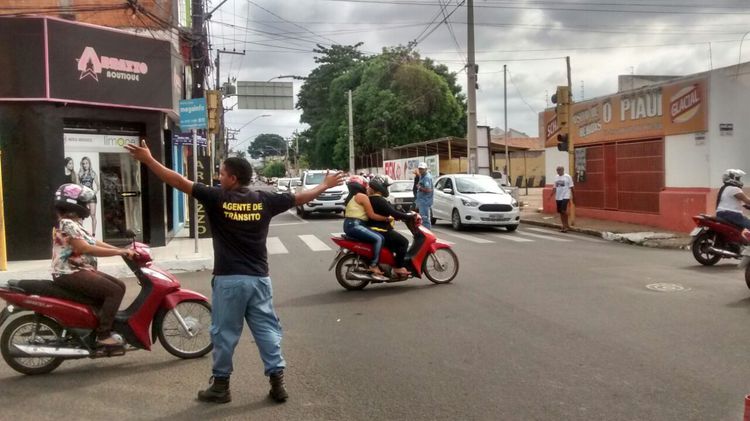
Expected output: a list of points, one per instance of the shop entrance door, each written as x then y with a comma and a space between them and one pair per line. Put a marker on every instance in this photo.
121, 197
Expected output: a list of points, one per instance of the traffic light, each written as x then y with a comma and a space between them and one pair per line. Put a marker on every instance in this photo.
212, 105
562, 99
562, 142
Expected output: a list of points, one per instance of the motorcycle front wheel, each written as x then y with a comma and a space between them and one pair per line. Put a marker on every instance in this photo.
441, 266
700, 246
193, 340
345, 266
31, 330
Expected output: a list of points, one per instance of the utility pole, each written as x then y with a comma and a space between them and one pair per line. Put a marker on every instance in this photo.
471, 102
199, 50
505, 108
571, 141
220, 132
351, 136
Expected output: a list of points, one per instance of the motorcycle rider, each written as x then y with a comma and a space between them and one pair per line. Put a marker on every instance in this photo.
358, 212
393, 240
74, 253
730, 200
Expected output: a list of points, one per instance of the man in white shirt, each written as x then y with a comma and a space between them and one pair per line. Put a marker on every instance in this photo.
563, 191
731, 199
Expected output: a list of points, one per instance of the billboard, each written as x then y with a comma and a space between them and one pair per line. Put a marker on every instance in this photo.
265, 95
403, 169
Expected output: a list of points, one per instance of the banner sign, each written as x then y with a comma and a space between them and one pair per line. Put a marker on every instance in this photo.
186, 139
653, 111
86, 63
403, 169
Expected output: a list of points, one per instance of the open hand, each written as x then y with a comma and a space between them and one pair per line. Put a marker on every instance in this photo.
141, 153
333, 179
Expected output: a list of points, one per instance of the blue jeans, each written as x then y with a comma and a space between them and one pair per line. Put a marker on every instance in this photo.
356, 229
735, 218
238, 297
424, 212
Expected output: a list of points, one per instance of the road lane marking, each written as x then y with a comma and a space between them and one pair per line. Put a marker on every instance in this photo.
467, 237
544, 237
512, 237
274, 246
583, 237
314, 243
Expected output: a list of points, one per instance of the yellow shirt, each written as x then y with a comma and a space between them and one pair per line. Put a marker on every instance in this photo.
355, 210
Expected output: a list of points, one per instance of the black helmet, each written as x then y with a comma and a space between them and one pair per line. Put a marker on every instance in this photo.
380, 184
74, 198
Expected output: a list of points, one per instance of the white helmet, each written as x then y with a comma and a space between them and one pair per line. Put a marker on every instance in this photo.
733, 177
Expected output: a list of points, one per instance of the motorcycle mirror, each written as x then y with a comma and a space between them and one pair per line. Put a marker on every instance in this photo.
130, 234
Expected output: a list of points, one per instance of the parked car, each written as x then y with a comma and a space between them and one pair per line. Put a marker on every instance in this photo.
472, 199
282, 185
401, 195
331, 200
293, 184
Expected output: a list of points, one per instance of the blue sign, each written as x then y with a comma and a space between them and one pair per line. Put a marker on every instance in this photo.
193, 114
182, 139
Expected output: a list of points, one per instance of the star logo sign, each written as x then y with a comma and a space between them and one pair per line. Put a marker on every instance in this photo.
89, 64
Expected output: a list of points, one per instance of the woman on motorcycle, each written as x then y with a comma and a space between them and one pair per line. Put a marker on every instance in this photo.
74, 253
358, 212
397, 243
731, 199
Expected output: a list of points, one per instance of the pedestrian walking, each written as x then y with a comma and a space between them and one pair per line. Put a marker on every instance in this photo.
563, 191
241, 286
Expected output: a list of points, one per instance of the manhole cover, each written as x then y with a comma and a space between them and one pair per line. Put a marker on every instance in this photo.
666, 287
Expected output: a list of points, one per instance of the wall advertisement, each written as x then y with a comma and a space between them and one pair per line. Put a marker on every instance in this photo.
651, 112
403, 169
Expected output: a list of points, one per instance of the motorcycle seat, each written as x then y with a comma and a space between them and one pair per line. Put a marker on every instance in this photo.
48, 288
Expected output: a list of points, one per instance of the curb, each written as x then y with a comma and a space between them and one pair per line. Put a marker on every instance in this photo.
119, 270
595, 233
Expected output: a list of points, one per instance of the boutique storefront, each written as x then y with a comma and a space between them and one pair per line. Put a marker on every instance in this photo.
71, 96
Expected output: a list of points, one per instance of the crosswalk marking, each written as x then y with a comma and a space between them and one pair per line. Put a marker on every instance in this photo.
513, 237
576, 236
313, 242
337, 234
274, 246
467, 237
544, 237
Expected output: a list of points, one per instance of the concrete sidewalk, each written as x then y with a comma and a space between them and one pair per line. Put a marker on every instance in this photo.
643, 235
177, 256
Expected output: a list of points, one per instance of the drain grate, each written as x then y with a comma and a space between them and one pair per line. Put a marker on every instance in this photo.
666, 287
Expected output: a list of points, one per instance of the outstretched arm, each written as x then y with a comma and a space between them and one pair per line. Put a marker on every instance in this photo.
174, 179
330, 180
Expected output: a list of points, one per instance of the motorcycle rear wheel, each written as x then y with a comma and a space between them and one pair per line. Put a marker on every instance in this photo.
441, 267
20, 331
177, 341
347, 264
700, 246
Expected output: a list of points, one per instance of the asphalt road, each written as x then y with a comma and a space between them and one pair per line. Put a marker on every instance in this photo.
537, 326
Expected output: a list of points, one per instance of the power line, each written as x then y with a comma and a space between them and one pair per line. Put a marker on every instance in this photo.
292, 23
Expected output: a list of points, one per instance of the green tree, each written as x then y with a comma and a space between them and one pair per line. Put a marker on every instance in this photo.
274, 169
398, 98
267, 145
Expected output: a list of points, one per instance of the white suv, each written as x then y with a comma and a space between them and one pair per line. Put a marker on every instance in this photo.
471, 199
332, 200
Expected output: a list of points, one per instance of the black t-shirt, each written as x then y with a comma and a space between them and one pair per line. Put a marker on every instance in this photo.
239, 224
381, 206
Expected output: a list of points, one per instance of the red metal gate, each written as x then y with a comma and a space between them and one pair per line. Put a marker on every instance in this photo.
625, 176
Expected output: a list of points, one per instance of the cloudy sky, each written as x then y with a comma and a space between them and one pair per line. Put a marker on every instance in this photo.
604, 39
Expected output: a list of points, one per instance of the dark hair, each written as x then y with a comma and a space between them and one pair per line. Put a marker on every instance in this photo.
239, 168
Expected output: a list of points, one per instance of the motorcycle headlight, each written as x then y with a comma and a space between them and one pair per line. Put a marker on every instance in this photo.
469, 203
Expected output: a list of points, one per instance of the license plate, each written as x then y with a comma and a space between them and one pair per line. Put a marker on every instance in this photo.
498, 218
696, 231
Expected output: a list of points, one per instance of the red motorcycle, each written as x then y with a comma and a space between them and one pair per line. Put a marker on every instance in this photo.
426, 255
59, 324
714, 239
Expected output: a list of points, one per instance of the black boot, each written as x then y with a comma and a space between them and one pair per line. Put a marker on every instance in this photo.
218, 392
278, 391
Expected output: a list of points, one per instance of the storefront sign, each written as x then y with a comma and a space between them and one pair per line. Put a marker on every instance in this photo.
85, 63
186, 139
656, 111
